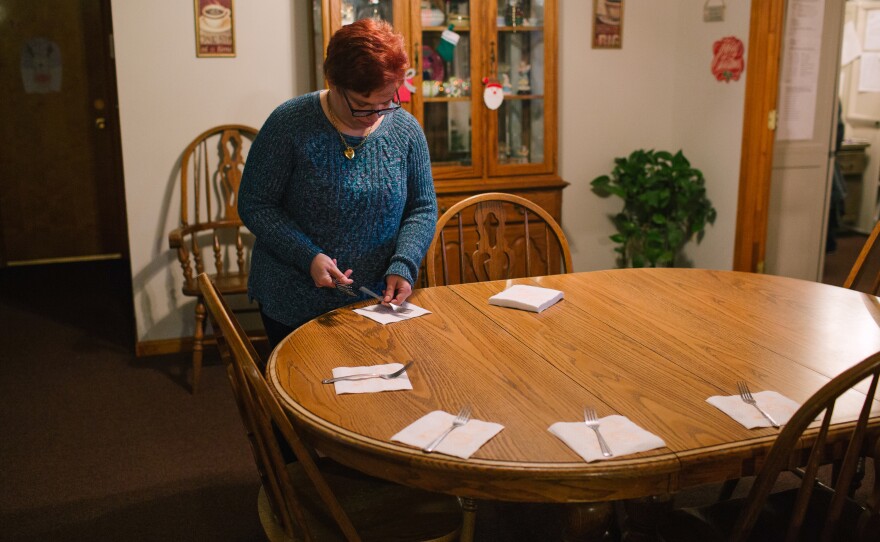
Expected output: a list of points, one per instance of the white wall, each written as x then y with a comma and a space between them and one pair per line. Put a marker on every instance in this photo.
167, 96
657, 92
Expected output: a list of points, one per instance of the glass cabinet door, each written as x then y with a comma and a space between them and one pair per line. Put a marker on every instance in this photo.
330, 15
446, 98
520, 141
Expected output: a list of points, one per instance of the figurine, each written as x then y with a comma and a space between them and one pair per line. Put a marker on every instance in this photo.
522, 155
523, 86
506, 87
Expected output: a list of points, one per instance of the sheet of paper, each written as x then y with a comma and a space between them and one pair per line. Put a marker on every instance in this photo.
800, 69
869, 73
872, 30
851, 48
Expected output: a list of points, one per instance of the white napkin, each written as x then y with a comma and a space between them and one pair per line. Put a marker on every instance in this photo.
778, 406
384, 315
461, 442
623, 437
527, 298
371, 385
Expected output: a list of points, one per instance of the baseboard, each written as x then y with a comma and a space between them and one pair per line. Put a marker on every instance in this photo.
161, 347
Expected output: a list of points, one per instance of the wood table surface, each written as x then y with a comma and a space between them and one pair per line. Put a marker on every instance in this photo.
649, 344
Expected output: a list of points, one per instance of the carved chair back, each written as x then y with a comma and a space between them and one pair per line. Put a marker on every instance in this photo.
828, 516
210, 175
495, 236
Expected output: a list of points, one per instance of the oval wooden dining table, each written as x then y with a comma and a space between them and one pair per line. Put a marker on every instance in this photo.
648, 344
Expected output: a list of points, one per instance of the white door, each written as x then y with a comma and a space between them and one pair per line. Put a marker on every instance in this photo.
801, 178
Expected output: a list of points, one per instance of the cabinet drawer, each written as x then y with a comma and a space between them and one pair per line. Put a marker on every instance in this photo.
549, 200
852, 163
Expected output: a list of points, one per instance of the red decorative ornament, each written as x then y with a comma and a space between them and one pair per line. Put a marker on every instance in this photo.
728, 62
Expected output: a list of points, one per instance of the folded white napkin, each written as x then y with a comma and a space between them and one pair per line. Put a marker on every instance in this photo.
371, 385
461, 442
384, 315
527, 298
778, 406
623, 437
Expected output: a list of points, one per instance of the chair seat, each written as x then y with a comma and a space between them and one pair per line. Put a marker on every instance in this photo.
227, 283
714, 522
381, 511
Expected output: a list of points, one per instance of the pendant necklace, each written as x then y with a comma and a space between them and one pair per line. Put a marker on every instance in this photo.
349, 151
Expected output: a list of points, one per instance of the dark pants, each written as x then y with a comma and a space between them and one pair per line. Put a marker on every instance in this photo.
275, 330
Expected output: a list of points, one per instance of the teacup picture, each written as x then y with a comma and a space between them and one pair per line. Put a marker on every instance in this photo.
215, 16
215, 33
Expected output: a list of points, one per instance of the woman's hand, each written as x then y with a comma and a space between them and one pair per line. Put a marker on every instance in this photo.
397, 289
325, 273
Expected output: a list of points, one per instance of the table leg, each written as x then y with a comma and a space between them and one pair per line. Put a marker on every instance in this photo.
643, 515
587, 522
468, 520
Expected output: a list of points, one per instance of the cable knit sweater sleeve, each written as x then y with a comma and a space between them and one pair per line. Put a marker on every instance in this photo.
270, 163
420, 216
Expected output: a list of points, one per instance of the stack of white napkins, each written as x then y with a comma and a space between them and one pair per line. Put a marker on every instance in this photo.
371, 385
461, 442
778, 406
385, 315
622, 436
527, 298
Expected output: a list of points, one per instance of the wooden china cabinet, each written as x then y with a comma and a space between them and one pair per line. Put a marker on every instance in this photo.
511, 43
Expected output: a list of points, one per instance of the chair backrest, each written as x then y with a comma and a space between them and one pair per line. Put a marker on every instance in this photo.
495, 236
781, 456
260, 411
210, 175
865, 273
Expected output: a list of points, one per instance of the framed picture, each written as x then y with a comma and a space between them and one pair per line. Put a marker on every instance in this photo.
607, 24
215, 28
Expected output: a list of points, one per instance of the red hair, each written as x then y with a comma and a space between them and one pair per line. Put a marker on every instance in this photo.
365, 56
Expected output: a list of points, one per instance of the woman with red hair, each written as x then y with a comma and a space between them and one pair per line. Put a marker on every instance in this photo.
339, 179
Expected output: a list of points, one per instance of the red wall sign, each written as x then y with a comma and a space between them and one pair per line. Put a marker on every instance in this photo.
727, 62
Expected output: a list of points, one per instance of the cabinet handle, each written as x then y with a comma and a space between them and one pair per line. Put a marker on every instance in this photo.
493, 68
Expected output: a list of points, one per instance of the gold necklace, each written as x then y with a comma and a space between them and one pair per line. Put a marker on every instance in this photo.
349, 150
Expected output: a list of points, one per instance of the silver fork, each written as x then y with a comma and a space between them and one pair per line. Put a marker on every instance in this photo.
344, 288
365, 376
395, 308
592, 421
464, 415
746, 396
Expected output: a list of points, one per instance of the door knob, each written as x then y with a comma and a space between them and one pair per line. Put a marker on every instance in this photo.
100, 123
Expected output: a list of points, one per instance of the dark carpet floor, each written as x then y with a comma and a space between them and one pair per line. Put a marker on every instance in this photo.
96, 444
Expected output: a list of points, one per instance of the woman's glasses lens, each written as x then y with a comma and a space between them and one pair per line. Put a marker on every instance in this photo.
367, 112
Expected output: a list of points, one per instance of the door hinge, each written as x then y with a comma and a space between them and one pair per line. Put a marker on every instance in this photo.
759, 267
771, 120
112, 47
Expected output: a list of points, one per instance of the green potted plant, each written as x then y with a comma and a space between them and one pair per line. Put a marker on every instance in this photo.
664, 207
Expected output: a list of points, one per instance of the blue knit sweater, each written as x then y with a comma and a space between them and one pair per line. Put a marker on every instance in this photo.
301, 196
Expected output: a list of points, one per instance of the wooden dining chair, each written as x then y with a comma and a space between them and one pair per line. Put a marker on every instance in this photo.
314, 499
210, 174
865, 273
495, 236
812, 511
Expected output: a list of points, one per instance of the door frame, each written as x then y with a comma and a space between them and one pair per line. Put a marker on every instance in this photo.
759, 131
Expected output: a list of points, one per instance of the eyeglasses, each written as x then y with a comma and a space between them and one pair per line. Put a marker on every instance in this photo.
367, 112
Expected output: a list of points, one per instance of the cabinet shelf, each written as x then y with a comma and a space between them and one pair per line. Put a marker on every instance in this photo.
435, 99
442, 28
521, 28
523, 96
